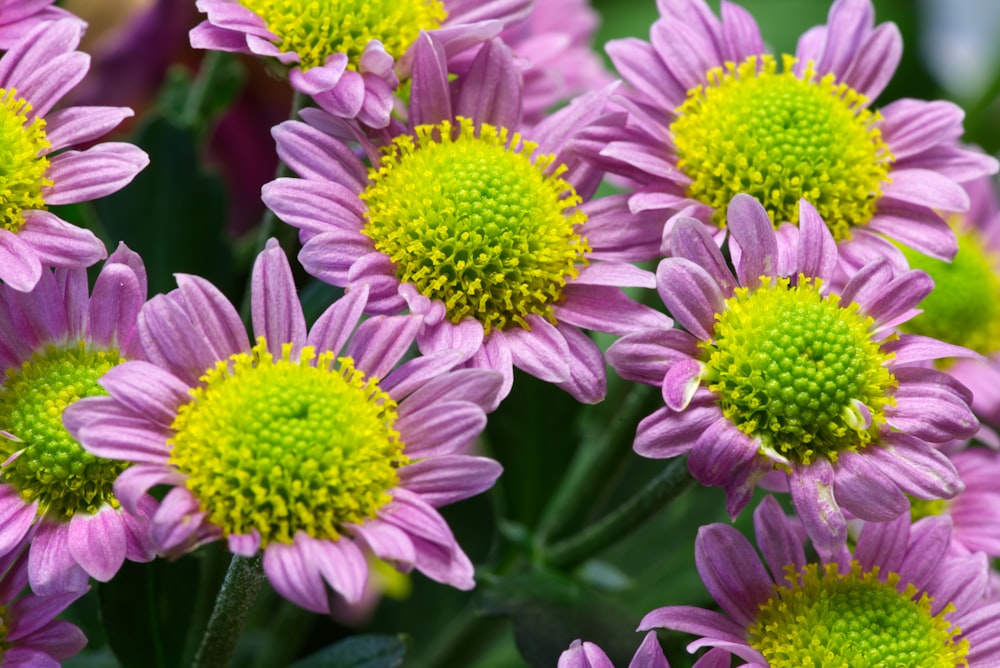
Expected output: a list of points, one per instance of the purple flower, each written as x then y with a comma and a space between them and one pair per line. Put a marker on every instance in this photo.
36, 72
898, 598
311, 446
963, 308
19, 17
30, 635
486, 235
55, 342
776, 373
349, 56
711, 115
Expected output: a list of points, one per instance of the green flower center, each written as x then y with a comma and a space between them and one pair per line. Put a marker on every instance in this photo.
793, 369
964, 307
823, 619
50, 465
283, 445
477, 222
921, 508
22, 165
782, 138
317, 30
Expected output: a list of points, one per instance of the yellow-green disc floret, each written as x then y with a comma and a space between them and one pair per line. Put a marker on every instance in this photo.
790, 367
780, 138
281, 445
472, 218
825, 619
316, 30
964, 307
22, 165
50, 465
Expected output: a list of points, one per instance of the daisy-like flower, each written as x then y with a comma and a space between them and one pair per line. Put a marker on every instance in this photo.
36, 72
30, 635
900, 598
964, 307
349, 56
55, 342
483, 233
712, 115
18, 17
554, 47
775, 372
310, 447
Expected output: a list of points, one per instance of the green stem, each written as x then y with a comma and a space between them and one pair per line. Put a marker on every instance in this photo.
589, 468
193, 113
236, 597
670, 483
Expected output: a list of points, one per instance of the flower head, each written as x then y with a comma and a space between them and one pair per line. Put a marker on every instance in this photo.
349, 56
310, 446
30, 634
712, 115
55, 342
899, 598
484, 233
777, 373
36, 72
964, 307
18, 18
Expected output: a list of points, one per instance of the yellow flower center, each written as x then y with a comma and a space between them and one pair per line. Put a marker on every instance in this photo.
781, 138
282, 445
824, 619
52, 467
22, 165
316, 30
964, 307
791, 366
476, 221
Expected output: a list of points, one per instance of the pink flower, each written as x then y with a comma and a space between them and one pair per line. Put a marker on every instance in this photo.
898, 598
40, 169
776, 373
310, 446
711, 115
55, 341
497, 248
350, 68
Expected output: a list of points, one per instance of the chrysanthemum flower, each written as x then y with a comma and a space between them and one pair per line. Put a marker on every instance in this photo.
775, 372
34, 75
30, 635
347, 55
900, 598
478, 230
308, 446
554, 47
19, 17
583, 654
55, 342
712, 115
964, 307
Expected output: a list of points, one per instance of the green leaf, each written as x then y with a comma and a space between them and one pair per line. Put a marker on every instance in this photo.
549, 611
173, 214
147, 609
363, 651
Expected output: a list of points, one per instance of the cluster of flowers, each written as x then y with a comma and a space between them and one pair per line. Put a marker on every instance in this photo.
799, 234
